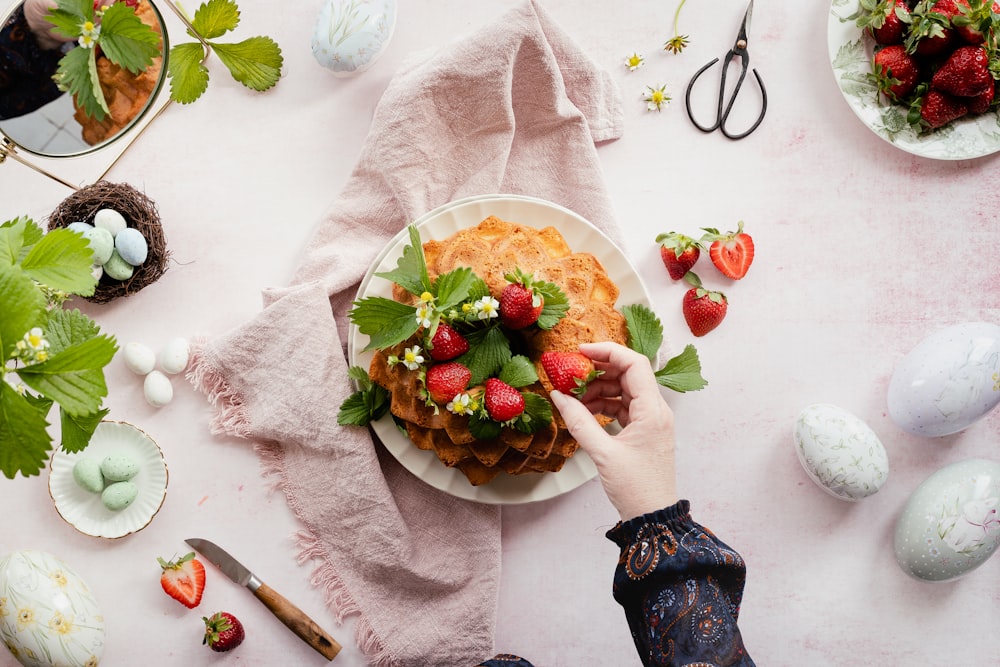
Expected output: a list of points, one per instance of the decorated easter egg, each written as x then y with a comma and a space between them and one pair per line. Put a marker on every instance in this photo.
950, 525
139, 358
111, 220
48, 615
174, 355
350, 35
948, 381
119, 495
158, 389
118, 268
840, 452
87, 473
132, 246
101, 243
118, 467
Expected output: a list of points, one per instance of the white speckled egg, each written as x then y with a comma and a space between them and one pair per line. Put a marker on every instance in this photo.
43, 603
948, 381
350, 35
950, 525
158, 389
840, 452
174, 355
132, 246
111, 220
118, 268
139, 358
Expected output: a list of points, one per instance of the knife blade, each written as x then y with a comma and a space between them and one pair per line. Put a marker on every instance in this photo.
294, 618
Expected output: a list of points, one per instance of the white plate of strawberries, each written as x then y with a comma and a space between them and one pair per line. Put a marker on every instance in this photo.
917, 72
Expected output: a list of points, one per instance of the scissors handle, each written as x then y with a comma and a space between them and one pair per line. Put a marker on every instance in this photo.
722, 113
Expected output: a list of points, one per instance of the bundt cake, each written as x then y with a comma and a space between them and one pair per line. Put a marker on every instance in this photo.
576, 302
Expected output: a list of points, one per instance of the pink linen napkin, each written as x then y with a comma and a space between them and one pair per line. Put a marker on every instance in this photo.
515, 107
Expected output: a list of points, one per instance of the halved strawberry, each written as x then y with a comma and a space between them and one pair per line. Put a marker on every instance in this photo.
447, 343
678, 252
732, 252
503, 402
703, 309
569, 372
520, 303
183, 579
447, 380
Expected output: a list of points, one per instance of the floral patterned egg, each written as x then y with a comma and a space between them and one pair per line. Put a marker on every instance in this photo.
48, 616
950, 524
840, 452
350, 35
948, 381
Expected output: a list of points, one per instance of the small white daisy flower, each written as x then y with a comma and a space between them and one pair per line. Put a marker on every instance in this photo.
412, 358
460, 405
487, 308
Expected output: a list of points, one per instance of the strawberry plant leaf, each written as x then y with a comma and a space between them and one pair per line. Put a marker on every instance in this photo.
78, 429
385, 321
254, 62
411, 267
645, 332
483, 428
453, 287
22, 304
126, 40
77, 75
366, 405
24, 440
16, 238
215, 18
66, 328
554, 306
537, 413
75, 376
69, 15
62, 260
518, 371
489, 350
683, 372
188, 75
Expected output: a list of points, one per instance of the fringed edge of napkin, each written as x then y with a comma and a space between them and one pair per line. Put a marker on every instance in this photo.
230, 418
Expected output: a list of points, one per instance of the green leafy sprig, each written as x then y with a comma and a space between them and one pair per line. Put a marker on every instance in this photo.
681, 373
48, 355
255, 62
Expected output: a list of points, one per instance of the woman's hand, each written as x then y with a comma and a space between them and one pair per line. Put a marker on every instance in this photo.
35, 12
636, 466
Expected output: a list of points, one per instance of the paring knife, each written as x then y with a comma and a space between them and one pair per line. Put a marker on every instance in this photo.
294, 618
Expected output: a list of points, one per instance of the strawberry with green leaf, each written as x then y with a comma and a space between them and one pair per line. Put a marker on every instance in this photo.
223, 632
445, 381
703, 309
678, 252
569, 372
503, 402
895, 72
520, 302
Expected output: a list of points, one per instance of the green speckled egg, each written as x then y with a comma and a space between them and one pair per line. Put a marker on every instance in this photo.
87, 473
119, 495
118, 268
118, 468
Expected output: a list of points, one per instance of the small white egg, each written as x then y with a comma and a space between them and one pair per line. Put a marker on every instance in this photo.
840, 452
118, 268
349, 36
111, 220
158, 389
97, 271
951, 522
132, 246
139, 358
174, 355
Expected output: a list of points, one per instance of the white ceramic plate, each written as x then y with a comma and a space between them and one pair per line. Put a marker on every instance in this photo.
851, 54
84, 510
441, 223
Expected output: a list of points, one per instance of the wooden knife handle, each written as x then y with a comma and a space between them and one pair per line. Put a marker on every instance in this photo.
298, 622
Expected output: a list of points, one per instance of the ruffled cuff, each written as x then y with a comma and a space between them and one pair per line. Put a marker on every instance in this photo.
677, 517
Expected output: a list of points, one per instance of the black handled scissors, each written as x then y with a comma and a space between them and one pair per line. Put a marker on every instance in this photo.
739, 50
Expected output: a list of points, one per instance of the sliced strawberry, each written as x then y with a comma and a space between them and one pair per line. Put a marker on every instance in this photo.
503, 402
732, 252
569, 372
447, 380
678, 252
447, 343
223, 632
183, 579
703, 309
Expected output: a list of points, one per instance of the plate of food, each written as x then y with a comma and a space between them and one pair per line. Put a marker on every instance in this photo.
114, 487
525, 458
851, 51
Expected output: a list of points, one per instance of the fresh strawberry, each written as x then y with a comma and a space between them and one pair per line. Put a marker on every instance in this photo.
703, 309
895, 72
520, 304
966, 73
981, 103
732, 252
938, 109
679, 253
183, 579
503, 402
569, 372
447, 343
447, 380
930, 31
887, 21
223, 632
975, 22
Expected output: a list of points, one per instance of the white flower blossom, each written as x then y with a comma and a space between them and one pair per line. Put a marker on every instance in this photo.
487, 308
412, 358
460, 405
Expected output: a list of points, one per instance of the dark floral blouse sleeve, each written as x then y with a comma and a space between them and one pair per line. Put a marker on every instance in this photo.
26, 69
681, 589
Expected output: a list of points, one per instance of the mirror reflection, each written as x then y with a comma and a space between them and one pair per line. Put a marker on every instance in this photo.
43, 119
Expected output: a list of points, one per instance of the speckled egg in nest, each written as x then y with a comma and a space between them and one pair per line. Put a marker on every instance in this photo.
140, 214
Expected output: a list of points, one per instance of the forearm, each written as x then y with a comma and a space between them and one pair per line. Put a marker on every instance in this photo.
681, 589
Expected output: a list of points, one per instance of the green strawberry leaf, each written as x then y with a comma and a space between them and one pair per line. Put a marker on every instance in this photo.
366, 405
411, 267
645, 332
62, 260
24, 441
537, 413
188, 75
126, 40
22, 305
683, 372
69, 16
518, 371
489, 350
483, 428
74, 377
78, 429
16, 238
554, 306
254, 62
453, 287
385, 321
215, 18
77, 75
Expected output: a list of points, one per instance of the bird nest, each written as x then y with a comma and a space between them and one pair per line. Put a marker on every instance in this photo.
139, 212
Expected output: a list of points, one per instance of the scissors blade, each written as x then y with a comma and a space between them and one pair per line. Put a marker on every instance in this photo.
741, 40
